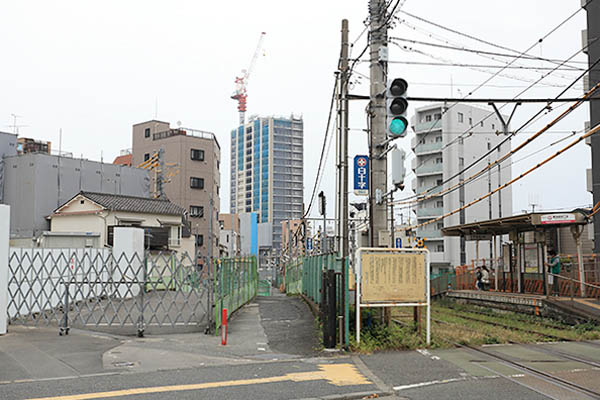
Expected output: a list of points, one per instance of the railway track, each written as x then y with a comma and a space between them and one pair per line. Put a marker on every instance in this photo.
512, 327
545, 376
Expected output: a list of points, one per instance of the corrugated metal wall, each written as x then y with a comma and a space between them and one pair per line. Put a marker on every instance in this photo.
36, 184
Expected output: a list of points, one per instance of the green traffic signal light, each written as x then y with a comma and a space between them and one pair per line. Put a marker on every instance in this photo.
398, 126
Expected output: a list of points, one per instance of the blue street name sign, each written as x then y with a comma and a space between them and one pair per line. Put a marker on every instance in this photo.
361, 175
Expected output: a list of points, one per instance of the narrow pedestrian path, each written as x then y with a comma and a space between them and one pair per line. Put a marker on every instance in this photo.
288, 324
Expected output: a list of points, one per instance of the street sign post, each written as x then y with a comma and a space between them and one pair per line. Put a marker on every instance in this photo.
361, 175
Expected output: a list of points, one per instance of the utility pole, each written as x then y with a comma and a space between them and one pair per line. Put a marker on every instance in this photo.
343, 144
377, 135
593, 52
342, 163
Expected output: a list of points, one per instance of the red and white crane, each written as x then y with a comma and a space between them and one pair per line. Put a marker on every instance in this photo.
241, 92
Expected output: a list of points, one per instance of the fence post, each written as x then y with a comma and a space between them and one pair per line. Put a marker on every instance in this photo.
4, 255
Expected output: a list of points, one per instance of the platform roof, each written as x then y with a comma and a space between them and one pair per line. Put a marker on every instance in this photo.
519, 223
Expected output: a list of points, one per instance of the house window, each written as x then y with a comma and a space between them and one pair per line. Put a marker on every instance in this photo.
437, 117
146, 156
439, 182
147, 132
440, 248
439, 203
440, 225
197, 155
196, 183
461, 117
196, 211
200, 240
428, 118
461, 162
438, 139
438, 160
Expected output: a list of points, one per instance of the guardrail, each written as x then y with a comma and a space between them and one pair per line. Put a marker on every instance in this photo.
236, 283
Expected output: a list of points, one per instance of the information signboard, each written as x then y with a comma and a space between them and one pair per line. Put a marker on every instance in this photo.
392, 278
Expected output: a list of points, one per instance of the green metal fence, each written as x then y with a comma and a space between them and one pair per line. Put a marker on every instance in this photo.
306, 276
293, 276
236, 283
443, 282
264, 287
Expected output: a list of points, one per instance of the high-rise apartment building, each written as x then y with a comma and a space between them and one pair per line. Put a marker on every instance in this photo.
191, 178
267, 170
447, 139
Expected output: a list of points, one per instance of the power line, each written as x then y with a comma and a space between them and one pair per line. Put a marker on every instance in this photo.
468, 50
595, 130
321, 160
464, 65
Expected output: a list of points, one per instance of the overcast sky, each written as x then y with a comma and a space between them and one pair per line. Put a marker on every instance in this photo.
95, 68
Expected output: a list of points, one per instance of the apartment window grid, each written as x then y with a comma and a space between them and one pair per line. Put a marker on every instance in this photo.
196, 183
256, 169
240, 143
197, 211
197, 154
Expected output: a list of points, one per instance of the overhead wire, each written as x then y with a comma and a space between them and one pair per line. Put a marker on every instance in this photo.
591, 132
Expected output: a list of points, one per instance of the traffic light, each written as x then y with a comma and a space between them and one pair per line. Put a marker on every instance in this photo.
397, 124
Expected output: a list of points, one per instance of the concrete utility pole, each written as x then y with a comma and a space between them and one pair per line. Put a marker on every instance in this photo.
377, 135
593, 52
342, 164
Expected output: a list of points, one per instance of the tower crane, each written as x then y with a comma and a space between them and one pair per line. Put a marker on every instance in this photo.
241, 93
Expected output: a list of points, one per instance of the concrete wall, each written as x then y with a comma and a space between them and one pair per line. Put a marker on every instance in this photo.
36, 184
177, 151
8, 147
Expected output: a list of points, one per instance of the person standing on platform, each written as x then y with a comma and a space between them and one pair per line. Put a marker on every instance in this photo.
478, 276
485, 278
554, 269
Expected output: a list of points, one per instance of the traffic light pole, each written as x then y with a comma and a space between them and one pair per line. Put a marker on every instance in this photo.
377, 114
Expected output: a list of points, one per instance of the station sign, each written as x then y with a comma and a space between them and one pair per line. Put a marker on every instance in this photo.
361, 175
478, 236
564, 218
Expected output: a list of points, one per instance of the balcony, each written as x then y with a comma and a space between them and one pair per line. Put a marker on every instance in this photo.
429, 212
428, 126
429, 169
429, 189
429, 233
425, 148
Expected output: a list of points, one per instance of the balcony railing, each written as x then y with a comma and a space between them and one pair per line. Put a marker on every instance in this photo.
429, 233
429, 169
422, 148
430, 212
428, 126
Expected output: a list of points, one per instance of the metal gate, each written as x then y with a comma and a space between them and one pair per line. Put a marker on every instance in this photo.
91, 288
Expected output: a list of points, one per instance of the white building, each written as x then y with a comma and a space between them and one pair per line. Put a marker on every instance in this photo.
444, 144
100, 213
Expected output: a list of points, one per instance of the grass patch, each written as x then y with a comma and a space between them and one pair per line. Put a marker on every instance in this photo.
453, 323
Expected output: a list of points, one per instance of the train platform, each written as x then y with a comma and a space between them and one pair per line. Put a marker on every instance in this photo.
576, 310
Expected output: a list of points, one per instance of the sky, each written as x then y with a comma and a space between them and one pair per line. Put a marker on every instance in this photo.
93, 69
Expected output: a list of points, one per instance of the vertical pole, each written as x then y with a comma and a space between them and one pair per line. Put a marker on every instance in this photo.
490, 202
4, 267
580, 262
344, 166
392, 228
210, 231
496, 264
331, 309
378, 70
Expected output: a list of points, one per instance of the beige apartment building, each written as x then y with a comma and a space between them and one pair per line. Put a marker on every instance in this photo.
190, 173
229, 225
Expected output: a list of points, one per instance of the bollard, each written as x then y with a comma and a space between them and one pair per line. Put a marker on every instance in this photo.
224, 327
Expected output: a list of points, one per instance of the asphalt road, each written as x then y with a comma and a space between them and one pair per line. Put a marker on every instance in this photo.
273, 353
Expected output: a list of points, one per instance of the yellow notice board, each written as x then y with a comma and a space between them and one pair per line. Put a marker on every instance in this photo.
393, 277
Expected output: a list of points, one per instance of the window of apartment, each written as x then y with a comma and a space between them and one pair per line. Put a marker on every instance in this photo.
489, 145
200, 240
439, 160
440, 248
437, 116
440, 225
196, 211
470, 121
196, 183
461, 117
461, 162
493, 127
147, 132
438, 139
197, 154
438, 182
146, 156
428, 118
439, 203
